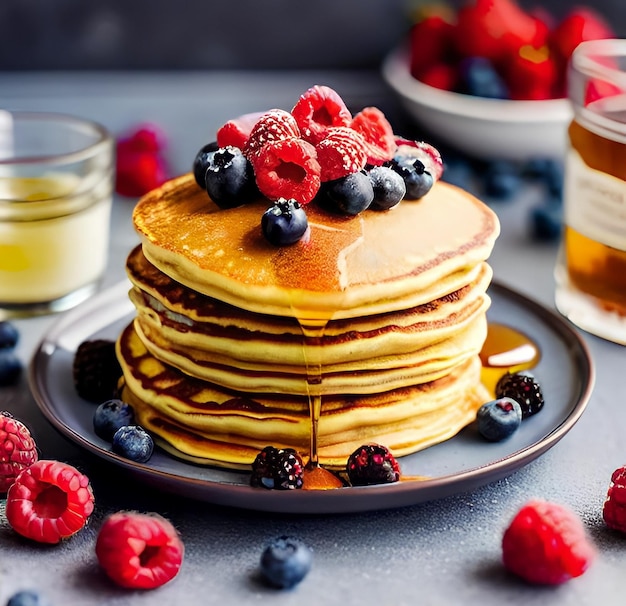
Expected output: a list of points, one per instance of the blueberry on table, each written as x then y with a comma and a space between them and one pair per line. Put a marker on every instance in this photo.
134, 443
110, 416
27, 597
285, 562
499, 419
9, 335
10, 368
284, 223
389, 187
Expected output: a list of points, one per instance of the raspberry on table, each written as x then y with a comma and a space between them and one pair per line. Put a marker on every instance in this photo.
340, 153
277, 468
372, 464
319, 109
272, 127
546, 544
17, 449
614, 508
49, 501
96, 370
139, 550
288, 169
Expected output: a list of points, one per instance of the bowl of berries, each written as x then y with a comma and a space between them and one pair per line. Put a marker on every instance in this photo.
489, 80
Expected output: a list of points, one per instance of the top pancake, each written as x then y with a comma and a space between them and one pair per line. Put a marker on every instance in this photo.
377, 262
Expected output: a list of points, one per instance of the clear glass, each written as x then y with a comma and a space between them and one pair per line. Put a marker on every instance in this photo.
591, 267
56, 189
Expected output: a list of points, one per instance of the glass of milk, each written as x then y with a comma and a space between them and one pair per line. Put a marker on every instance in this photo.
56, 189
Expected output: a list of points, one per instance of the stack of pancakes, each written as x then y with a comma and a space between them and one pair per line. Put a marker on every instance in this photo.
379, 317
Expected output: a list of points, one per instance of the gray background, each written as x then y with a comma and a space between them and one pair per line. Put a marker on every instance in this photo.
208, 34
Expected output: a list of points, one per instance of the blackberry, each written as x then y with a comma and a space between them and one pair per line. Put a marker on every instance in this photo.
524, 389
277, 468
96, 370
372, 464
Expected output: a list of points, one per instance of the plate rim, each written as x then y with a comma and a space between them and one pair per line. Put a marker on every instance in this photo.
344, 500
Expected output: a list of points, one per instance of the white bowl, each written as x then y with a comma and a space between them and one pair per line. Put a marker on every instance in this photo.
480, 127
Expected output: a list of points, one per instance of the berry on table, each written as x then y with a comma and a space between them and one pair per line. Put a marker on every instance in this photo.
284, 223
342, 152
17, 450
285, 561
96, 370
524, 389
139, 550
10, 368
133, 442
372, 464
9, 335
319, 109
202, 161
499, 419
614, 508
229, 178
27, 597
110, 416
49, 501
389, 187
278, 469
348, 195
546, 544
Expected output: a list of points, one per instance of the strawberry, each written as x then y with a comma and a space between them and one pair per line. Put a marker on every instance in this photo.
17, 449
235, 132
341, 152
49, 501
273, 126
546, 543
531, 74
431, 43
440, 75
317, 110
614, 508
375, 129
139, 551
287, 169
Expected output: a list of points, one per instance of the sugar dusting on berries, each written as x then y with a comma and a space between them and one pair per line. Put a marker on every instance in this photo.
17, 449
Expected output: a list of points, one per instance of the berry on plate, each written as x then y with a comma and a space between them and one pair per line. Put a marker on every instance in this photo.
614, 508
319, 109
499, 419
285, 562
133, 442
524, 389
110, 416
139, 550
49, 501
546, 544
284, 223
96, 370
277, 468
372, 464
17, 450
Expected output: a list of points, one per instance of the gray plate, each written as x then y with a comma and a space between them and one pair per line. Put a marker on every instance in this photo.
565, 372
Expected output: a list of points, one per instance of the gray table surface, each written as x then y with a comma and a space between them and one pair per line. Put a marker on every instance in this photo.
441, 552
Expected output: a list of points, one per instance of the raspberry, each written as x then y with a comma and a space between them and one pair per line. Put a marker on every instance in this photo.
428, 155
272, 127
235, 132
139, 550
49, 501
17, 449
277, 468
96, 370
319, 109
614, 509
372, 464
522, 388
288, 169
340, 153
546, 544
377, 133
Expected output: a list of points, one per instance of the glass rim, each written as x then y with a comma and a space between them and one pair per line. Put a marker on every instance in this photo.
585, 59
102, 134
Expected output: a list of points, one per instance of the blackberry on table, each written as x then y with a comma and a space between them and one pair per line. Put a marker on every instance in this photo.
524, 389
277, 468
96, 370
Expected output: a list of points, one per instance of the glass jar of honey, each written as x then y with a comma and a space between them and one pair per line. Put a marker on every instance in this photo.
591, 268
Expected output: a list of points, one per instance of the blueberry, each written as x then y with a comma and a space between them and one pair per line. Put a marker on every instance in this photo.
9, 335
229, 178
10, 368
417, 179
389, 187
499, 419
110, 416
134, 443
547, 171
479, 78
285, 562
284, 223
546, 221
27, 598
501, 179
458, 171
201, 162
348, 195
